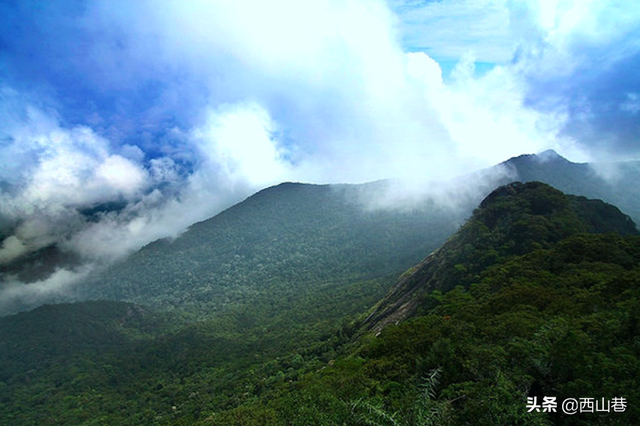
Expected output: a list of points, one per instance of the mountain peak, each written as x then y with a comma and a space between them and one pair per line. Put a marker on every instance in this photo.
513, 220
550, 154
546, 156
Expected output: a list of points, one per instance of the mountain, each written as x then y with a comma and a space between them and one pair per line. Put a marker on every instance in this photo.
280, 243
291, 238
536, 296
513, 220
56, 333
268, 242
613, 182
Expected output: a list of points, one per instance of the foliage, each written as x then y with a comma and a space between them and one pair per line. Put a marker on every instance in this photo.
280, 243
513, 220
426, 411
525, 301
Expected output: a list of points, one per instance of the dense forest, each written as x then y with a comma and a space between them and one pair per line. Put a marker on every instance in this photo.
537, 295
281, 244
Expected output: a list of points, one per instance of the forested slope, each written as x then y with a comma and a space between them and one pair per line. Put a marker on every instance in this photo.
513, 220
282, 242
538, 295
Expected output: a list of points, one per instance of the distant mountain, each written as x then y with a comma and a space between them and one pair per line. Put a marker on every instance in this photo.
300, 236
511, 221
279, 242
536, 296
614, 182
297, 236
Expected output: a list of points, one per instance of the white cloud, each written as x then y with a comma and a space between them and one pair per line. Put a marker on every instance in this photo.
75, 168
239, 142
337, 102
67, 166
332, 78
578, 59
561, 37
120, 175
15, 295
163, 169
318, 91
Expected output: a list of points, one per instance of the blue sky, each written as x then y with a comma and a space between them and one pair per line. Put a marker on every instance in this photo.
177, 109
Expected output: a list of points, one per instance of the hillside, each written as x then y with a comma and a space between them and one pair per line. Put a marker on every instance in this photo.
300, 236
57, 333
537, 295
554, 317
279, 244
513, 220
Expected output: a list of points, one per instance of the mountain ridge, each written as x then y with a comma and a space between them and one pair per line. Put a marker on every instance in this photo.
528, 304
533, 214
410, 235
291, 234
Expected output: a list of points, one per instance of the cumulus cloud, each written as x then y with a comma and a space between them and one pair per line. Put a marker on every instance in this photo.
240, 142
74, 169
572, 59
50, 165
137, 119
580, 61
53, 171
